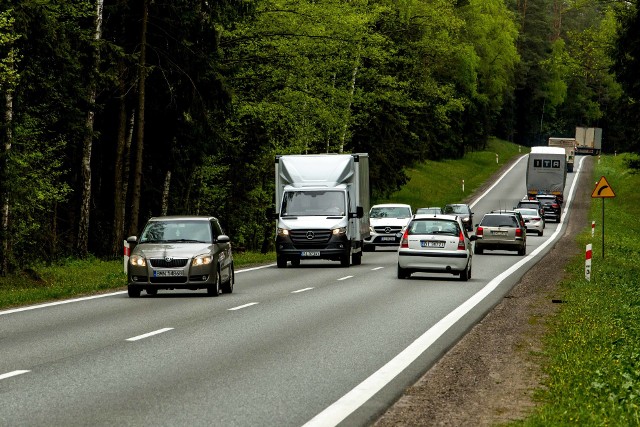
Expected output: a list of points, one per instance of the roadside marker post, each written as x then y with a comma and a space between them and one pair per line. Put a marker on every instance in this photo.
496, 158
463, 185
127, 252
587, 263
593, 228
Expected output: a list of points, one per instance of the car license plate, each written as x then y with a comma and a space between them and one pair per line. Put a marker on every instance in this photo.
431, 244
499, 233
310, 253
388, 239
168, 273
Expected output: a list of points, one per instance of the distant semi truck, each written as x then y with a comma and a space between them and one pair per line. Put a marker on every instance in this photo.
546, 172
588, 140
569, 147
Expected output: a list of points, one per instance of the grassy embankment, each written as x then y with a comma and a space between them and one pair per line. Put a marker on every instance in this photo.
592, 349
431, 184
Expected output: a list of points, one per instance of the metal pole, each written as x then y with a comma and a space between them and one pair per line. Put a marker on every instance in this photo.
603, 227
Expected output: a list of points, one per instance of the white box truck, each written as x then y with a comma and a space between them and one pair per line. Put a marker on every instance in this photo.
546, 171
589, 140
569, 146
321, 207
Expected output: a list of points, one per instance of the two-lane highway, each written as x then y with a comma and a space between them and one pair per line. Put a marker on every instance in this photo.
317, 344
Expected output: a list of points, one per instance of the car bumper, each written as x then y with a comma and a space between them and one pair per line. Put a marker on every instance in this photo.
429, 261
187, 277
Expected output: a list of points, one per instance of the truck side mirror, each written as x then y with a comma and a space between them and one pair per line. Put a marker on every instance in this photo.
359, 213
272, 214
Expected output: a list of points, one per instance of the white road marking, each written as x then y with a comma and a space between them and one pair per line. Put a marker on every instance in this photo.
243, 306
149, 334
347, 404
345, 278
12, 374
377, 268
301, 290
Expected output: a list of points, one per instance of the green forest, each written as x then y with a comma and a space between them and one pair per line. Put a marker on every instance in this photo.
114, 111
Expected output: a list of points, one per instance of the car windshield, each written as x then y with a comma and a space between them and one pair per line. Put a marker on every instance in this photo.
429, 211
433, 226
314, 203
390, 212
187, 231
499, 221
458, 209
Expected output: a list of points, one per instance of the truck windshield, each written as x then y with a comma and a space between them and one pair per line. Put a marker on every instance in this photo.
313, 203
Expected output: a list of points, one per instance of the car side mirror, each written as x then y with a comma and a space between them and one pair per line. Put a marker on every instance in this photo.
132, 239
473, 238
223, 238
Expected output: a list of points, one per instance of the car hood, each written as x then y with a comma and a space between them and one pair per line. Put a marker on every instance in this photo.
377, 222
176, 250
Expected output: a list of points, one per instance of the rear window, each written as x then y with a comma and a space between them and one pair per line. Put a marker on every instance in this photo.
499, 221
390, 212
433, 226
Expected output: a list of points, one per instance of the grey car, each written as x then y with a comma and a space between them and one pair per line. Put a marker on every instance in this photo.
181, 252
461, 210
501, 231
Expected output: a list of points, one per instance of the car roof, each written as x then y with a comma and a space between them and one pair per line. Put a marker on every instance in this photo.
436, 216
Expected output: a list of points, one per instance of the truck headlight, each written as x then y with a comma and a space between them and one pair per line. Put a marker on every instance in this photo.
138, 261
339, 231
283, 232
202, 260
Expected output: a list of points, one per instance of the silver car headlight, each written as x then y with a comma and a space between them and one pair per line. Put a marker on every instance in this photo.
283, 232
202, 260
339, 231
138, 261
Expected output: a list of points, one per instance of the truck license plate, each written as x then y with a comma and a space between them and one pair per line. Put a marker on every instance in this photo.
310, 253
168, 273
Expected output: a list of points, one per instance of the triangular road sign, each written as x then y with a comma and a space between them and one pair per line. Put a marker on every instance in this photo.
603, 189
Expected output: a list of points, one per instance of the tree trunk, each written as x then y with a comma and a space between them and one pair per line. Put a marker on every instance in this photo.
165, 193
119, 196
4, 232
85, 204
137, 174
347, 115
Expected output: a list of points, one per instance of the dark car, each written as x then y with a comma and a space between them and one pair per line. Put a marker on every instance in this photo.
181, 252
552, 207
463, 211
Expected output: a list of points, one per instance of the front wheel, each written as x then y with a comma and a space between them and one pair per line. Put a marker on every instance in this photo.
357, 258
214, 290
133, 291
227, 287
344, 260
282, 261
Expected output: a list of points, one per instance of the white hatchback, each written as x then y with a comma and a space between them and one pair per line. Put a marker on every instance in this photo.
533, 221
436, 244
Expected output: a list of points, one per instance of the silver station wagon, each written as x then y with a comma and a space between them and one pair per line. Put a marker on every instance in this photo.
181, 252
436, 244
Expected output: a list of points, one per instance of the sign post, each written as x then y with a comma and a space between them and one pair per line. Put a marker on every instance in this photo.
603, 191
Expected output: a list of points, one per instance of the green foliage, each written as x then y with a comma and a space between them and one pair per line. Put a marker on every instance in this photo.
593, 348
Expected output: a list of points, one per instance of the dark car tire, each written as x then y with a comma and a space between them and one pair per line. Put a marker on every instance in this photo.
214, 290
133, 291
151, 291
540, 233
522, 251
403, 273
356, 258
227, 287
282, 261
478, 250
465, 274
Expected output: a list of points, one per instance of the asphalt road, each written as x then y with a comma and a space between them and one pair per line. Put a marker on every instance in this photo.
315, 345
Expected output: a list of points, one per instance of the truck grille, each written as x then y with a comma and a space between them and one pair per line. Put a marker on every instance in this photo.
310, 239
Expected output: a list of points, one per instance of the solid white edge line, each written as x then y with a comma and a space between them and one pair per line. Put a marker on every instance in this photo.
12, 374
68, 301
301, 290
347, 404
242, 306
149, 334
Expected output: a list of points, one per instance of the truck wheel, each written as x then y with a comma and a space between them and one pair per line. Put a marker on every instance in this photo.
344, 260
356, 258
282, 261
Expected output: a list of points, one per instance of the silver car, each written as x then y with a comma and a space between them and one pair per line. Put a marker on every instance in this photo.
181, 252
533, 221
436, 244
501, 231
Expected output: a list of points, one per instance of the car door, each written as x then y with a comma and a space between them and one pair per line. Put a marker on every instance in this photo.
222, 251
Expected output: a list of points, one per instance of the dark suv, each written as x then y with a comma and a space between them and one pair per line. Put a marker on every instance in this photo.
531, 204
552, 207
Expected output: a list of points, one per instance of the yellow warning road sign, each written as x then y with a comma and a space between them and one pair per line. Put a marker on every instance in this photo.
603, 189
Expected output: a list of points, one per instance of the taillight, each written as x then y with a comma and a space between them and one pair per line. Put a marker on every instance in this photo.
518, 232
461, 246
479, 231
555, 206
537, 219
404, 243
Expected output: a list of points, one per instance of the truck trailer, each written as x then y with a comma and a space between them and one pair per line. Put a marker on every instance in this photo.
546, 172
321, 207
588, 140
569, 146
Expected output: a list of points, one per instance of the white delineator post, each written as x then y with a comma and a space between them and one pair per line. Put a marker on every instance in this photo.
593, 228
127, 252
463, 185
587, 263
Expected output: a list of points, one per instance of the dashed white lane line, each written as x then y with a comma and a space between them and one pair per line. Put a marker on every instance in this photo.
149, 334
243, 306
377, 268
345, 278
12, 374
301, 290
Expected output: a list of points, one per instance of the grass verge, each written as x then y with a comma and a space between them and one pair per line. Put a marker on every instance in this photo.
431, 184
593, 345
